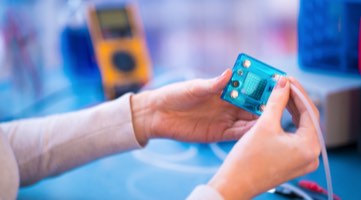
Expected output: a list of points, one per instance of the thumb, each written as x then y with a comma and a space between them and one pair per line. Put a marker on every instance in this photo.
220, 82
204, 87
278, 100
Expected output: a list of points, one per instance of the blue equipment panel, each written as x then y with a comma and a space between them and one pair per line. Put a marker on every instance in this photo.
328, 35
78, 54
251, 84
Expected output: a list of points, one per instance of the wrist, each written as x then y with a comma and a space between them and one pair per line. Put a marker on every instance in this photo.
142, 113
232, 186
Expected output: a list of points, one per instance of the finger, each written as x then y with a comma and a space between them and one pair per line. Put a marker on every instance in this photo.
306, 168
244, 115
238, 130
310, 167
277, 102
292, 109
303, 91
304, 121
203, 87
217, 84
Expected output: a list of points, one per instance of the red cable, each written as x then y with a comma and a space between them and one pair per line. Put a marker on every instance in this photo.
314, 187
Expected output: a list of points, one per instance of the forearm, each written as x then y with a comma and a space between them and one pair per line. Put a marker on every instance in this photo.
49, 146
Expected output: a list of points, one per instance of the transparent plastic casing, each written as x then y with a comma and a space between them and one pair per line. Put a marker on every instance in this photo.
251, 84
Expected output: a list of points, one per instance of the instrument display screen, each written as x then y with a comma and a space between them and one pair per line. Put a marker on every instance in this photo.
114, 23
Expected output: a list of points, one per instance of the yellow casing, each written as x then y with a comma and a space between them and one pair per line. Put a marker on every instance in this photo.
105, 49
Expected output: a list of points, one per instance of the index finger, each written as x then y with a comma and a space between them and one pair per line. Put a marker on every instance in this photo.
303, 91
303, 115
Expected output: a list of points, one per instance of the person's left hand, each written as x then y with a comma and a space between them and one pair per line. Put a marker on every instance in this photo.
189, 111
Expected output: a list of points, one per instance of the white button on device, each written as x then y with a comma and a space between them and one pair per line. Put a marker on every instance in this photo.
234, 94
276, 77
246, 63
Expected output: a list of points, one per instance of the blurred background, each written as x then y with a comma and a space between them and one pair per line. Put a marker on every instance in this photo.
202, 37
55, 57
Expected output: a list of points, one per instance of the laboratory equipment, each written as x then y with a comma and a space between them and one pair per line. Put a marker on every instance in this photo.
328, 35
78, 54
119, 43
251, 84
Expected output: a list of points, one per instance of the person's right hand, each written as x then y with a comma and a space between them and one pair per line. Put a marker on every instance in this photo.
267, 156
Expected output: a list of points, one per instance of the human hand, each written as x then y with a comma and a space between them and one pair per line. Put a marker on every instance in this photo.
189, 111
267, 155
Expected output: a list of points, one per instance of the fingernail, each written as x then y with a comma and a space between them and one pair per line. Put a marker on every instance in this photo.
222, 75
282, 81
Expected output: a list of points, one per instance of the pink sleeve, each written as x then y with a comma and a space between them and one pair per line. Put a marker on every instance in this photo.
52, 145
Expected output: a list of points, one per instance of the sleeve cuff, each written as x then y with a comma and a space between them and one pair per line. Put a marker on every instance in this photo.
122, 113
204, 192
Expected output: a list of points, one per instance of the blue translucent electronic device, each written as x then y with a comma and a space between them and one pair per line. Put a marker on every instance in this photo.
251, 84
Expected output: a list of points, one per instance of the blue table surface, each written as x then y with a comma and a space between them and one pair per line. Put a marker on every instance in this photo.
166, 169
170, 170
